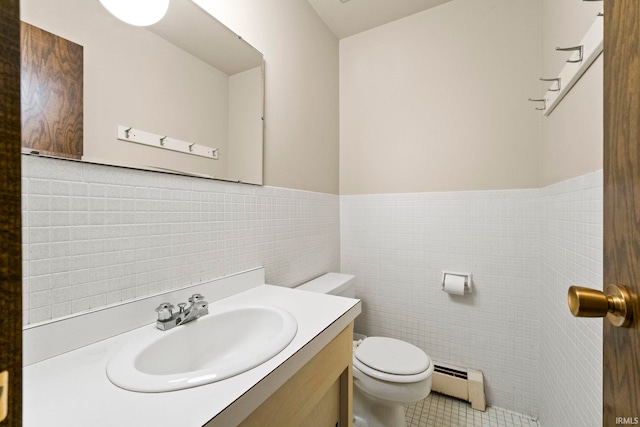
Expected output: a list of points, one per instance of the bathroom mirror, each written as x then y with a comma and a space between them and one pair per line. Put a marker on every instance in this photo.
185, 95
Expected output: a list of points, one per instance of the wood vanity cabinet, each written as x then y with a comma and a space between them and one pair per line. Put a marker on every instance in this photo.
318, 395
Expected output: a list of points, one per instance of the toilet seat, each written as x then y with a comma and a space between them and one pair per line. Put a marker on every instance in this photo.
391, 360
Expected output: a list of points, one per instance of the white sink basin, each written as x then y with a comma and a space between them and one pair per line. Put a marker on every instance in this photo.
228, 341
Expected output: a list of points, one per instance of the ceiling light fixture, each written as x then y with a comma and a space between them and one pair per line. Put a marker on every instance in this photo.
137, 12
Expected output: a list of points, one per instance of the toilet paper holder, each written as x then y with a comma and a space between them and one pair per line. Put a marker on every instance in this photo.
468, 280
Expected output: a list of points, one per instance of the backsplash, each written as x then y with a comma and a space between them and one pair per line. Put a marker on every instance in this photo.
512, 241
96, 235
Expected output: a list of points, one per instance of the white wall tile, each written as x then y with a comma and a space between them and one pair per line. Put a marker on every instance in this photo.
570, 348
516, 323
97, 235
397, 245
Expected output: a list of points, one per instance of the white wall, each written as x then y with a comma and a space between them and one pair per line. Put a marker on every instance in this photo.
437, 101
301, 99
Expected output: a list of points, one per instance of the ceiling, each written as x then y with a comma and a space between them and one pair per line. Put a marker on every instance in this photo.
354, 16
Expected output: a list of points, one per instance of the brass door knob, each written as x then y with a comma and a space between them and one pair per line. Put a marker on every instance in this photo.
615, 303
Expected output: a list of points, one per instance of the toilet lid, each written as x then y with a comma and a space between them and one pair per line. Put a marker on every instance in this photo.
392, 356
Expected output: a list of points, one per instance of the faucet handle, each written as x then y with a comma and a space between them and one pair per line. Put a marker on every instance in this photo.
195, 298
165, 311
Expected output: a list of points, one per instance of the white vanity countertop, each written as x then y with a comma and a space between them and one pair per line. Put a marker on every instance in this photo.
73, 389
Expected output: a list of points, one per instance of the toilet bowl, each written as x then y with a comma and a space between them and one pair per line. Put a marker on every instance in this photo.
387, 372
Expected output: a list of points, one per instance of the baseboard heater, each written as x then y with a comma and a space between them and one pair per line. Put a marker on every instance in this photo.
464, 384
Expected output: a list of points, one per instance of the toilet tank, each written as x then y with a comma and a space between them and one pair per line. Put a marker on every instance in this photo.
333, 284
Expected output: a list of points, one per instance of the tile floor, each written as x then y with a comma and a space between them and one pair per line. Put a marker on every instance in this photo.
443, 411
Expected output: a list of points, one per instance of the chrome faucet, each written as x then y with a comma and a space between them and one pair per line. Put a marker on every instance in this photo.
167, 319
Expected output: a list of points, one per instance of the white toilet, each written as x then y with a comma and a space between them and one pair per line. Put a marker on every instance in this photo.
387, 372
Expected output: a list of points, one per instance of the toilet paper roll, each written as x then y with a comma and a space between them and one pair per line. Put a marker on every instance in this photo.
453, 284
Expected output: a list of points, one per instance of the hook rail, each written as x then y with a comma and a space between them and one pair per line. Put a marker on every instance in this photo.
583, 55
129, 134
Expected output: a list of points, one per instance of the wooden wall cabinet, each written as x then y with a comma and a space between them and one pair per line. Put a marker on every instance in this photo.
51, 93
